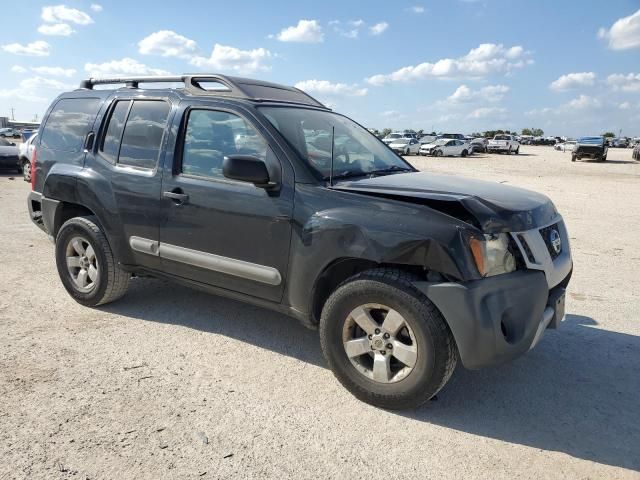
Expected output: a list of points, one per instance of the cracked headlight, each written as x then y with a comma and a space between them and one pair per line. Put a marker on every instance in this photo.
492, 254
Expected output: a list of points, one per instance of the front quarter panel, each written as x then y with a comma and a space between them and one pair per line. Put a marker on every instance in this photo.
330, 225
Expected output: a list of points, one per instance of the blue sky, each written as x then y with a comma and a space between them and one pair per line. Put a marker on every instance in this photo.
569, 67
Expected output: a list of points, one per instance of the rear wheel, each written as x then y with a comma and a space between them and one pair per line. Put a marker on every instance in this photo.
385, 341
573, 158
86, 265
517, 150
26, 170
464, 153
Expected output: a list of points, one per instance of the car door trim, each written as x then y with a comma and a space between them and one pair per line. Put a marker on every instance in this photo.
210, 261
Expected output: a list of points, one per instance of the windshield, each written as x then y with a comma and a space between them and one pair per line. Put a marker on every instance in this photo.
393, 135
355, 151
502, 137
401, 141
591, 140
4, 143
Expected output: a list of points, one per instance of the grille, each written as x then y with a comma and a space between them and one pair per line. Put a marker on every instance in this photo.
527, 249
589, 149
546, 233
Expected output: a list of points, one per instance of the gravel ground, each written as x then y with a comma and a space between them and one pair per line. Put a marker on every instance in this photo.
173, 383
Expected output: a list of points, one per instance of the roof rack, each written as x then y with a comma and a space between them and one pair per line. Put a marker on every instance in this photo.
236, 87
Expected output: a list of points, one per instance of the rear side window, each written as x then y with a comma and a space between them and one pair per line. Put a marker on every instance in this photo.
134, 133
68, 124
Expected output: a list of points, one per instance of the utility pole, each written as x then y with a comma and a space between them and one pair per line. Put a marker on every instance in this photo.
13, 118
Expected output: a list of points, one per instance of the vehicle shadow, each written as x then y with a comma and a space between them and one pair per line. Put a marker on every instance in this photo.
613, 162
577, 392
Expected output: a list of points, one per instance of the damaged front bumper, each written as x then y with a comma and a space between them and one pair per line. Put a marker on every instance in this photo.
496, 319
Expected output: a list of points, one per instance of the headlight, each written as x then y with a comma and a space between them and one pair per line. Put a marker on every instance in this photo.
492, 255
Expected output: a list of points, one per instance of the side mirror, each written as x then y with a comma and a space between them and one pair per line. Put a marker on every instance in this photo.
247, 168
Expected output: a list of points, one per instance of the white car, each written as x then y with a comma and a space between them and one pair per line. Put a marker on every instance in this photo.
26, 154
568, 146
405, 146
504, 144
446, 147
392, 137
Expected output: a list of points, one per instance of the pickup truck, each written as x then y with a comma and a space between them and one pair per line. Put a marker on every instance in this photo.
503, 144
258, 192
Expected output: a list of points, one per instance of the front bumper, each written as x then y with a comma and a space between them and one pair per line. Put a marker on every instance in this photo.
496, 319
498, 148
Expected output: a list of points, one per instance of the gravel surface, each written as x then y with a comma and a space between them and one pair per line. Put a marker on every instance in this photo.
174, 383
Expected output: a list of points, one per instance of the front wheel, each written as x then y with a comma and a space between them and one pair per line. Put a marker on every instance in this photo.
464, 153
385, 341
86, 265
26, 170
438, 153
573, 158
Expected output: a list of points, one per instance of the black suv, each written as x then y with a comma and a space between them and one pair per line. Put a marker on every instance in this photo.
258, 192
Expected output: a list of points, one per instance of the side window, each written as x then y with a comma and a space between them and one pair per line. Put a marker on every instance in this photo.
211, 135
143, 132
68, 123
111, 141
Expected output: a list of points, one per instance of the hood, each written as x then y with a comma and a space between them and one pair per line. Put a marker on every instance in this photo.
492, 207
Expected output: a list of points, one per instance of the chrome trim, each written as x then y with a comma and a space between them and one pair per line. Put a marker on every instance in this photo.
555, 270
144, 245
217, 263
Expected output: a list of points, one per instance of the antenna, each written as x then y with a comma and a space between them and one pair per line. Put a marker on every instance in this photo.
333, 133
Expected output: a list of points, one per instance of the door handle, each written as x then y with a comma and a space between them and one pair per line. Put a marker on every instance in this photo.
177, 195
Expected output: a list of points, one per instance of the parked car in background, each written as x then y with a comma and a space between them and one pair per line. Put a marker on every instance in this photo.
636, 152
427, 139
9, 156
391, 137
503, 143
479, 145
9, 133
26, 155
593, 148
446, 147
27, 133
405, 146
567, 146
622, 142
456, 136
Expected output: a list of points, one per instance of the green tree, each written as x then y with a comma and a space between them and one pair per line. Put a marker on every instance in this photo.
536, 132
385, 132
609, 134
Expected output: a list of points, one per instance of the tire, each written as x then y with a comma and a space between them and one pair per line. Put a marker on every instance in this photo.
26, 170
573, 158
438, 153
464, 153
435, 354
110, 281
517, 150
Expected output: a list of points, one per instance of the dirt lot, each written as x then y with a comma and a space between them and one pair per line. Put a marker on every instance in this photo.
173, 383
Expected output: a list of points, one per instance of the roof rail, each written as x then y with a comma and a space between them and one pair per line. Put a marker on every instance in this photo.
236, 87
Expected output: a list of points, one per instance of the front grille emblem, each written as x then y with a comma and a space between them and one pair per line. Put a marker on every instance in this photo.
556, 241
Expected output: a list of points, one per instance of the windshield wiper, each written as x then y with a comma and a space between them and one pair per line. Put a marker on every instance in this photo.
391, 169
347, 174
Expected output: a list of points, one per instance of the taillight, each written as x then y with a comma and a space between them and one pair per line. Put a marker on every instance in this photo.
33, 169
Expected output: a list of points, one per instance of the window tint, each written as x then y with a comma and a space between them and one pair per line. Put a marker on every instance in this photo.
68, 123
212, 135
111, 141
143, 134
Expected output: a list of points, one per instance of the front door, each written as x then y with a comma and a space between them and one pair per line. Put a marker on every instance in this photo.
217, 231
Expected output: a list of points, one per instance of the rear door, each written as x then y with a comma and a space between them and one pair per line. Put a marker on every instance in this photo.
217, 231
129, 156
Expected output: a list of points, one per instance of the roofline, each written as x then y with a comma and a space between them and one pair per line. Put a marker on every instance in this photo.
231, 86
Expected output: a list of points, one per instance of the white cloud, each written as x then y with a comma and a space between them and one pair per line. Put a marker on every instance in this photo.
486, 112
55, 71
64, 14
96, 7
491, 93
324, 87
625, 106
18, 69
126, 66
308, 31
486, 59
34, 89
167, 43
624, 33
417, 9
378, 28
58, 29
583, 102
233, 59
573, 80
39, 48
626, 83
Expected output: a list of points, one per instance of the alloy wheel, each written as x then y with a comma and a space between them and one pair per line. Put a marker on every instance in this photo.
82, 263
380, 343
